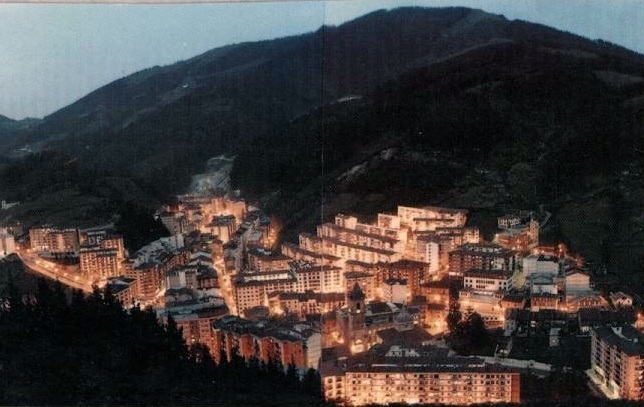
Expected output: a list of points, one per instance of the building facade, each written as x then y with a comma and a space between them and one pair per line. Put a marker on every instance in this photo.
410, 375
617, 361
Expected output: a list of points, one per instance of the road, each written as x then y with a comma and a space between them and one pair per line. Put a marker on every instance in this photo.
225, 286
48, 269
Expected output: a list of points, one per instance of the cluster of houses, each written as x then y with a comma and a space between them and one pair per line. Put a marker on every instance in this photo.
365, 303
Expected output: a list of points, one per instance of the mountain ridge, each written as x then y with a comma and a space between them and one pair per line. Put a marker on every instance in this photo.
457, 106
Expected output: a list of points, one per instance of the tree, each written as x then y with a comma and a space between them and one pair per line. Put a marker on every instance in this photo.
89, 350
522, 180
478, 336
453, 316
292, 378
312, 383
469, 335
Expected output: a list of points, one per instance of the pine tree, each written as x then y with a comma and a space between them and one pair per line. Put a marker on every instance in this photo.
453, 317
292, 377
312, 383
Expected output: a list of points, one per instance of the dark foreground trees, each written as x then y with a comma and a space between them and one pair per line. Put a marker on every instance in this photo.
91, 351
467, 334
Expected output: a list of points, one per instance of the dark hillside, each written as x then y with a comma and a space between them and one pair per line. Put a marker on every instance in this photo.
451, 106
505, 125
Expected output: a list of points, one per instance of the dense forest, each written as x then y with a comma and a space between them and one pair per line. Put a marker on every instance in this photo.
60, 349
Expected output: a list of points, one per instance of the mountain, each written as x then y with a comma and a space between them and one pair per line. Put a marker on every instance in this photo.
446, 106
10, 128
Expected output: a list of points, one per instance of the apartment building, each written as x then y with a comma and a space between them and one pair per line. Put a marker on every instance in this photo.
58, 242
508, 221
322, 279
251, 289
282, 342
196, 326
413, 272
303, 304
124, 289
481, 256
266, 260
431, 217
486, 304
366, 281
38, 238
149, 278
518, 236
296, 252
252, 292
488, 280
386, 225
7, 244
427, 250
414, 374
348, 251
540, 264
101, 254
223, 227
617, 361
360, 237
191, 276
98, 263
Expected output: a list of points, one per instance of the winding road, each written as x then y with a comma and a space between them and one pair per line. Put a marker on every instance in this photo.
51, 270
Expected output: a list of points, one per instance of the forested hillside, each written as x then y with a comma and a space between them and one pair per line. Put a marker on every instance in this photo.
420, 106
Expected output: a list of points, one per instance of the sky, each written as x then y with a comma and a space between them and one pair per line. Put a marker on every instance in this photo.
53, 54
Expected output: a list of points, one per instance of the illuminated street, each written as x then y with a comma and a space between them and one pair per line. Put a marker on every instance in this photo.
52, 271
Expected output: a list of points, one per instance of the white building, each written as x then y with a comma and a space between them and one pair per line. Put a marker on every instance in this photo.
508, 221
431, 217
428, 251
395, 291
488, 306
7, 244
151, 250
540, 264
488, 280
577, 280
542, 284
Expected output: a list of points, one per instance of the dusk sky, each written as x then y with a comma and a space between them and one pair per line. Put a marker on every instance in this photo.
53, 54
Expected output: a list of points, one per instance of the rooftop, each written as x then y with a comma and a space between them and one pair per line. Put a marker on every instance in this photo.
409, 338
357, 274
488, 273
424, 359
360, 233
626, 338
307, 296
356, 246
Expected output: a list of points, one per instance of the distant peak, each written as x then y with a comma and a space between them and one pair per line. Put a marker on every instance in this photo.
444, 14
6, 119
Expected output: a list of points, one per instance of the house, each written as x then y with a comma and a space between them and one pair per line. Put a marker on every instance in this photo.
621, 300
396, 291
545, 300
540, 264
514, 300
577, 280
584, 299
542, 284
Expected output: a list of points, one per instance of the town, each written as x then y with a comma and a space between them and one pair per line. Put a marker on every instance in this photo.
380, 309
